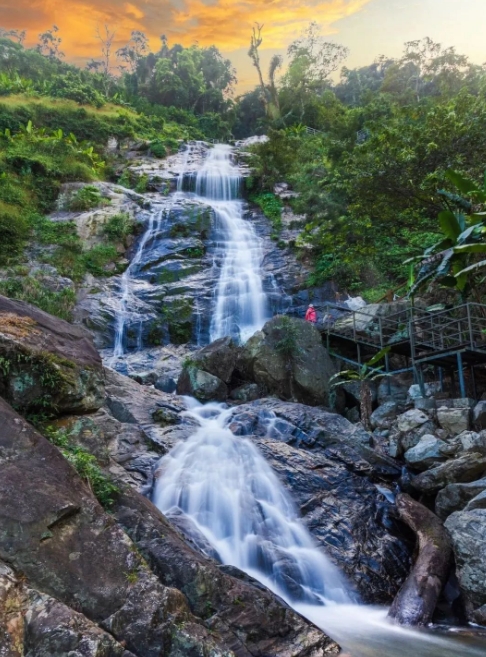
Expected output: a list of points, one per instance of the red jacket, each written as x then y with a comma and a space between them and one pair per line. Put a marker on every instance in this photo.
311, 315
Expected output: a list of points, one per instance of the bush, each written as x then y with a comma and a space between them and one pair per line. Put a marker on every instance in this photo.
14, 230
31, 290
86, 198
158, 149
119, 226
96, 260
271, 207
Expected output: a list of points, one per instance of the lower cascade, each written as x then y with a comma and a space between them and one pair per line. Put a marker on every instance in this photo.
241, 515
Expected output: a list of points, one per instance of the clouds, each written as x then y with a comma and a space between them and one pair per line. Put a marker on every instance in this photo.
226, 23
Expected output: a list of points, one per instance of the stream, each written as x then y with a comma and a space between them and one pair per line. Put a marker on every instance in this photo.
221, 484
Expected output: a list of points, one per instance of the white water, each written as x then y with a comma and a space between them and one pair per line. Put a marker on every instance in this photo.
240, 302
228, 491
127, 311
225, 489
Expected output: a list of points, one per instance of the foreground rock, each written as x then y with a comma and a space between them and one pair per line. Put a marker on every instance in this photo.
468, 532
466, 468
416, 602
48, 364
54, 531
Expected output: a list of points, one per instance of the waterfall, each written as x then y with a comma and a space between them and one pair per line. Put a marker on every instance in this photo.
240, 301
232, 501
128, 311
230, 494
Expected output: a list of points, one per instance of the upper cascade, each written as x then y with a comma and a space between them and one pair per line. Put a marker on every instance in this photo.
240, 303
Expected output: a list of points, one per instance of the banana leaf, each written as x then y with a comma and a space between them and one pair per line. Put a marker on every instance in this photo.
471, 268
470, 248
450, 224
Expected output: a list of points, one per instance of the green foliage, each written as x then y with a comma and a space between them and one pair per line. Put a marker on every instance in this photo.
32, 290
85, 464
158, 149
289, 331
271, 206
142, 183
119, 226
86, 198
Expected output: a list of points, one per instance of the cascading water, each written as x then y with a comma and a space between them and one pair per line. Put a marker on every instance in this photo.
240, 301
226, 491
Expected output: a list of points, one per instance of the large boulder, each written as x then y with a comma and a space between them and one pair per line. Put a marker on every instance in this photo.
411, 420
464, 469
53, 530
218, 358
454, 497
287, 359
47, 364
201, 385
384, 416
468, 533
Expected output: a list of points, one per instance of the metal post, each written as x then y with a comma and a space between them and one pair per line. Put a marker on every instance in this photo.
387, 369
421, 380
462, 384
441, 379
469, 325
358, 350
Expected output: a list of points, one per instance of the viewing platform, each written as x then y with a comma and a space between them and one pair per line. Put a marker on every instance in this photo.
450, 339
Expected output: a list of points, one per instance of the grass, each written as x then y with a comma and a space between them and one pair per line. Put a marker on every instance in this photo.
271, 207
85, 464
31, 290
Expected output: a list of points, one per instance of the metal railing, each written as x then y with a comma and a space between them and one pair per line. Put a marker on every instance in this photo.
460, 327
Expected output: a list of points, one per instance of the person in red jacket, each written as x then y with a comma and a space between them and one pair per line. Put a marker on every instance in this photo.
311, 315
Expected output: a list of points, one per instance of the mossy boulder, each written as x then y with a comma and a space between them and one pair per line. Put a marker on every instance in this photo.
46, 364
287, 359
199, 384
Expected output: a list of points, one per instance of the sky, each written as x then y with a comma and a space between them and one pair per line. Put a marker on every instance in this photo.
367, 27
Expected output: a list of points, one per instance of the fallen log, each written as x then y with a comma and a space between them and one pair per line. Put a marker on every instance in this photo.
416, 601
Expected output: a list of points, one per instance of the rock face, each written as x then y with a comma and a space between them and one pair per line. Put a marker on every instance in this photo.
54, 531
219, 359
287, 359
468, 532
322, 460
455, 497
47, 363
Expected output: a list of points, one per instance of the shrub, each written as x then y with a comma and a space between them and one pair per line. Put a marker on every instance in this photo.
158, 149
86, 198
32, 291
14, 230
119, 226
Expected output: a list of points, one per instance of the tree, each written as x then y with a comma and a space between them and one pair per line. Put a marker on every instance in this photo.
106, 38
49, 44
15, 35
134, 51
364, 376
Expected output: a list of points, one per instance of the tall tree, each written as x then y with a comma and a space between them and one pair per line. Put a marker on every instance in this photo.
49, 44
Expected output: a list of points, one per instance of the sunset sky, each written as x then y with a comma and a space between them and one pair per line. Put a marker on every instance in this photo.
367, 27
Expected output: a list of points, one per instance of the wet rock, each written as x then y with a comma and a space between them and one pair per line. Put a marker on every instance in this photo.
426, 454
287, 358
201, 385
454, 420
246, 393
455, 497
54, 531
166, 415
464, 469
384, 415
52, 365
479, 415
468, 533
230, 606
218, 358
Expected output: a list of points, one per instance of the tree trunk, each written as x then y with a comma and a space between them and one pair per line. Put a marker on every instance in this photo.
416, 601
366, 404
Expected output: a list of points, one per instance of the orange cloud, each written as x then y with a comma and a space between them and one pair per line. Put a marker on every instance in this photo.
225, 23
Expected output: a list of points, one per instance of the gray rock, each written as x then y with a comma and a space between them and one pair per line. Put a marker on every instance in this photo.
218, 358
287, 358
415, 391
468, 533
426, 404
411, 420
454, 497
479, 415
454, 420
384, 415
478, 502
166, 383
410, 439
473, 442
426, 454
246, 393
352, 390
464, 469
201, 385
